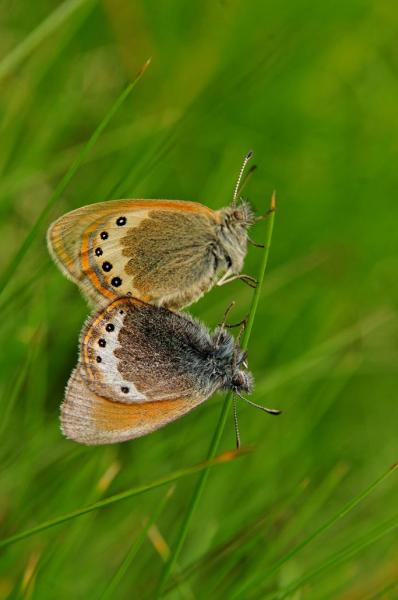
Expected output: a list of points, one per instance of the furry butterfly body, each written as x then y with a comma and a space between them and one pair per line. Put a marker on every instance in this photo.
165, 252
141, 367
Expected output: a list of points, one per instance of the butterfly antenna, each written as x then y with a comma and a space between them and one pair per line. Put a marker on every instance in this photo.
242, 170
270, 411
237, 435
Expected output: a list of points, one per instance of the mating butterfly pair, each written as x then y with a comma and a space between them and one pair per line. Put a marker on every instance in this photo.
141, 364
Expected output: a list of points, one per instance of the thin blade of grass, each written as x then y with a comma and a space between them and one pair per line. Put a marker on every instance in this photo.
136, 491
318, 354
339, 557
250, 583
60, 188
131, 553
224, 413
46, 28
241, 542
383, 592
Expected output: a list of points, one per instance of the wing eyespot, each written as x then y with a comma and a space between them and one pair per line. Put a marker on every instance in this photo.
121, 221
107, 266
116, 281
98, 251
104, 235
102, 342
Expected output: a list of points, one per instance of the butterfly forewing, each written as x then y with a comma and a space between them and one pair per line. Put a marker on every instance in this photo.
157, 250
134, 352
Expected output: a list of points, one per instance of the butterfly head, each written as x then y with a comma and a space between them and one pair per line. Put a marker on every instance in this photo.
239, 217
231, 363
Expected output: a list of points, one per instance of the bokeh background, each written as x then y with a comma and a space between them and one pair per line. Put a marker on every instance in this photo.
312, 88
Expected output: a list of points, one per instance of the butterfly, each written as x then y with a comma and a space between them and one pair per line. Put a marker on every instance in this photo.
164, 252
141, 367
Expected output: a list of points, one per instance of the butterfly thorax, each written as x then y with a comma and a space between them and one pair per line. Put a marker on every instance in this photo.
232, 235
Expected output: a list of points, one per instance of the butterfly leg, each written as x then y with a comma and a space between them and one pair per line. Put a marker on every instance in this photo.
248, 279
226, 313
255, 244
269, 211
265, 215
241, 324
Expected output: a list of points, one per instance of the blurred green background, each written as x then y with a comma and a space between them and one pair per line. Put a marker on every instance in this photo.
312, 88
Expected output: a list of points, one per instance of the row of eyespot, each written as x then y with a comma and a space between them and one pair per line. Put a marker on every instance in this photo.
107, 266
101, 342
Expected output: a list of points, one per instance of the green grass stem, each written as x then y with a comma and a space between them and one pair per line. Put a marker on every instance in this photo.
198, 491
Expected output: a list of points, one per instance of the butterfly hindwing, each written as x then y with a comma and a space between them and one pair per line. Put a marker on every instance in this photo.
88, 418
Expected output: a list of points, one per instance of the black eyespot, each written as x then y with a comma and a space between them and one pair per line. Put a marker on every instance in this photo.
106, 266
110, 327
121, 221
125, 389
98, 251
99, 359
116, 282
121, 312
104, 235
102, 343
228, 260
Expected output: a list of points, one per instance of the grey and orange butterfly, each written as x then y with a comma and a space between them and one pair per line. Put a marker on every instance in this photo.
143, 366
166, 252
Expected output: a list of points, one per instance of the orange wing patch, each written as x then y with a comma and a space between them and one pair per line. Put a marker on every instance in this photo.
90, 419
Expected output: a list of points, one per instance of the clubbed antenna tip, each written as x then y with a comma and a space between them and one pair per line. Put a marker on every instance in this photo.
242, 170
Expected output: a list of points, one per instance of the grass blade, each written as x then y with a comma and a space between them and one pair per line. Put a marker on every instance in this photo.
250, 583
130, 493
339, 557
224, 413
126, 562
46, 28
14, 263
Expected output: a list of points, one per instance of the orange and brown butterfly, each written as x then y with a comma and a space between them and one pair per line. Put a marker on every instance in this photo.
166, 252
143, 366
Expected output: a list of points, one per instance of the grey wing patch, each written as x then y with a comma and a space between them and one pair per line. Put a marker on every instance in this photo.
158, 350
134, 352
